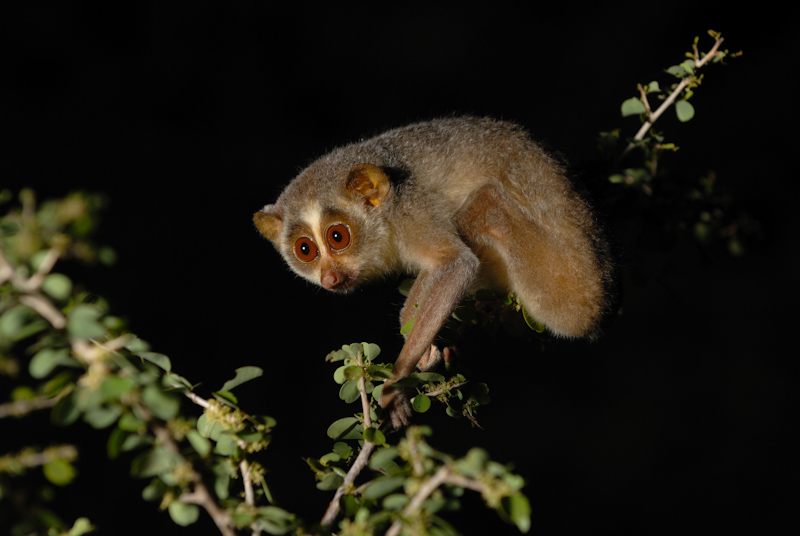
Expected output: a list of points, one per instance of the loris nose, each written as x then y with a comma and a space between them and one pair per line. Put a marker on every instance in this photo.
330, 279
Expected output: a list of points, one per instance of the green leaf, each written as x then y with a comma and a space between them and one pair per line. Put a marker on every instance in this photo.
352, 350
114, 387
678, 71
373, 435
83, 322
226, 445
405, 286
209, 428
684, 110
275, 520
632, 106
223, 480
199, 443
329, 458
154, 490
534, 324
353, 372
379, 372
421, 403
183, 514
344, 428
371, 351
243, 374
473, 463
336, 355
330, 482
102, 416
157, 359
65, 411
349, 391
46, 359
383, 485
81, 526
342, 449
519, 511
406, 329
395, 501
688, 66
161, 404
59, 471
57, 286
153, 463
383, 459
226, 397
115, 441
429, 377
20, 322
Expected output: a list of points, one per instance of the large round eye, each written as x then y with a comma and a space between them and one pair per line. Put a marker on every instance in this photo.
305, 249
338, 236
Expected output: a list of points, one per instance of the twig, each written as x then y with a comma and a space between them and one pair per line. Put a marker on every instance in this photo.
425, 490
22, 407
358, 464
200, 494
30, 287
201, 497
699, 62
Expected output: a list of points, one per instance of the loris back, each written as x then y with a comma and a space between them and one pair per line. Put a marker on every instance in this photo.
459, 202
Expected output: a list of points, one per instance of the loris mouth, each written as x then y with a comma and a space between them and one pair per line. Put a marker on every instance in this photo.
338, 280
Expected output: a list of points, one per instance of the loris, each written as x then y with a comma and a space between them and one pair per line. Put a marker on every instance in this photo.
461, 203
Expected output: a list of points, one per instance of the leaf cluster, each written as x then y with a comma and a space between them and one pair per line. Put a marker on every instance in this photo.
69, 354
411, 483
707, 213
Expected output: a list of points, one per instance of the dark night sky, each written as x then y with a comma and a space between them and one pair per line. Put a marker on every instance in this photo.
192, 115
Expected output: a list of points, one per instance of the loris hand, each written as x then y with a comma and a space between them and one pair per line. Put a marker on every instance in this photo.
395, 401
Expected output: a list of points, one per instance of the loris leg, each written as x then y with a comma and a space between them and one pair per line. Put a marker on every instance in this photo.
449, 271
550, 265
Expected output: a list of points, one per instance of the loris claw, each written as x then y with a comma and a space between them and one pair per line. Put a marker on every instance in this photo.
458, 202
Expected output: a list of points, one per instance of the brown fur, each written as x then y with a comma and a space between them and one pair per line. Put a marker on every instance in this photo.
457, 202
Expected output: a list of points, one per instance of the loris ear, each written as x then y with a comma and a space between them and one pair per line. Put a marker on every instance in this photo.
370, 182
268, 222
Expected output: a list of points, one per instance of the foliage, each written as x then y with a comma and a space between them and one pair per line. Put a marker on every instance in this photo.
66, 352
699, 206
84, 365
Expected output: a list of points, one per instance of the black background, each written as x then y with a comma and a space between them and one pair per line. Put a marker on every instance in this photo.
190, 116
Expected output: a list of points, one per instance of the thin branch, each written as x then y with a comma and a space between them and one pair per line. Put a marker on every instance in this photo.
419, 498
699, 62
200, 494
23, 407
358, 464
30, 287
201, 497
41, 305
357, 467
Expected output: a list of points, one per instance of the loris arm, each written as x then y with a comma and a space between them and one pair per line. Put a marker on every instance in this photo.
436, 292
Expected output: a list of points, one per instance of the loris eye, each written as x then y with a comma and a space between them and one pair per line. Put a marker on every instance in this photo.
338, 236
305, 249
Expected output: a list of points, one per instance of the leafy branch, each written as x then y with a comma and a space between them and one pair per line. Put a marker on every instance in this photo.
91, 369
702, 207
413, 480
688, 79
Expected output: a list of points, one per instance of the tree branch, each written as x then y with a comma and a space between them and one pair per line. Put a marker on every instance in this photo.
652, 118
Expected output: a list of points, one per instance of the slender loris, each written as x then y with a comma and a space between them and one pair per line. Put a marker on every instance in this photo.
461, 203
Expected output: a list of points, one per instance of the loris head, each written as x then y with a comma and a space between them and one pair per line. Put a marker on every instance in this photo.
329, 224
